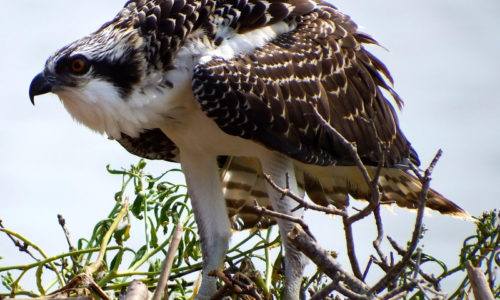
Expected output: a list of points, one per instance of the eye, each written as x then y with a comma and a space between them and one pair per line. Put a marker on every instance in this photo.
79, 65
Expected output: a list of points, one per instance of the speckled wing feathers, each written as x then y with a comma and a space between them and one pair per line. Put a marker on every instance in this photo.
269, 95
165, 24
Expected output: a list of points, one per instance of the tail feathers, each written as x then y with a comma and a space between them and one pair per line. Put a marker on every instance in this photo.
405, 190
243, 184
396, 185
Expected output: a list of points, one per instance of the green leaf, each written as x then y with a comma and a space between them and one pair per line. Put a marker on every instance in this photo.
7, 280
117, 260
142, 164
115, 172
153, 243
138, 205
138, 255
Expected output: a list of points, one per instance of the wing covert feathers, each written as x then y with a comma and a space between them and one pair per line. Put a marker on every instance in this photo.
269, 95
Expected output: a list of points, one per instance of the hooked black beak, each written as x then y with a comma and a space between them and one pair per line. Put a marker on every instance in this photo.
39, 86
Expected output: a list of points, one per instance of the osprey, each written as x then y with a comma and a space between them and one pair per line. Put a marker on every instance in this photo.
242, 84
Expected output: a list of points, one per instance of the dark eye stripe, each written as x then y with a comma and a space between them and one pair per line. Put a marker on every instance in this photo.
122, 74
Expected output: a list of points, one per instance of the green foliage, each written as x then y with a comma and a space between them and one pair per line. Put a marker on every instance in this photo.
481, 249
157, 205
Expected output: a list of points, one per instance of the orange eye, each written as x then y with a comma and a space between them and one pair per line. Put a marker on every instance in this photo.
79, 65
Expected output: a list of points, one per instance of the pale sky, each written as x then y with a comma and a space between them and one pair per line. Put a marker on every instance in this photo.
443, 55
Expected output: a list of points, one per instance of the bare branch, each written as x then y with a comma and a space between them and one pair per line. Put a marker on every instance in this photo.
86, 282
351, 252
74, 259
21, 247
478, 282
324, 261
402, 252
399, 291
302, 203
167, 263
380, 235
238, 284
395, 270
350, 146
62, 222
137, 290
324, 292
264, 211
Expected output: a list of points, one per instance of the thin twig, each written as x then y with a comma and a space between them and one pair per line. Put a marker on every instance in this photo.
37, 248
380, 235
350, 146
264, 211
324, 292
302, 203
403, 289
395, 270
62, 222
351, 252
83, 280
402, 252
167, 264
74, 259
21, 247
367, 268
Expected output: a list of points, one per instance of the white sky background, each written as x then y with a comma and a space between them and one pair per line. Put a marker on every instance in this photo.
443, 57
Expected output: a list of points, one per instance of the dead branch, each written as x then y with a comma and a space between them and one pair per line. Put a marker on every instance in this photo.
62, 222
402, 252
324, 292
398, 292
264, 211
302, 203
324, 261
350, 146
478, 282
23, 247
380, 235
351, 252
137, 290
238, 284
395, 270
85, 281
167, 264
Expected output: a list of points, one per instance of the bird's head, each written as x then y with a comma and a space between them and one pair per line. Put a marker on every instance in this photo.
114, 80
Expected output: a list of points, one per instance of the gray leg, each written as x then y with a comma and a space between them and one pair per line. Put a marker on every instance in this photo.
210, 212
277, 166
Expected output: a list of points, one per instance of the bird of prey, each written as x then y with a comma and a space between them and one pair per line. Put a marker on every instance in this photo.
249, 86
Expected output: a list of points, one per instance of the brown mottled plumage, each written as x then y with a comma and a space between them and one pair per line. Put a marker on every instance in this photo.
269, 96
233, 89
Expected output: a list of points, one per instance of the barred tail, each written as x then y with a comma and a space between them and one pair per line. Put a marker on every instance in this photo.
243, 184
332, 184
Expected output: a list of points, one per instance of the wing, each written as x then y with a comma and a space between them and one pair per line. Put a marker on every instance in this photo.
151, 144
270, 95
